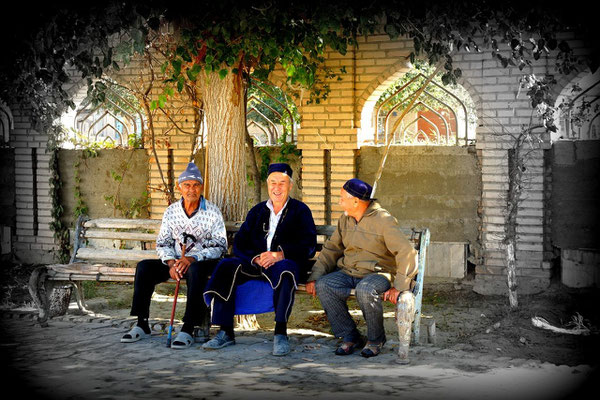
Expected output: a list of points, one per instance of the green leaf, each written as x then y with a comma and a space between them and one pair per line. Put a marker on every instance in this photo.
176, 66
223, 73
193, 72
164, 66
162, 100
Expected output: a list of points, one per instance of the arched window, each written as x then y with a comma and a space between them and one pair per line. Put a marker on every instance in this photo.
114, 121
6, 123
441, 116
271, 116
579, 109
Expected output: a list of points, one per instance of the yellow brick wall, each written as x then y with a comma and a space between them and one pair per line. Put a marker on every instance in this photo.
333, 124
172, 134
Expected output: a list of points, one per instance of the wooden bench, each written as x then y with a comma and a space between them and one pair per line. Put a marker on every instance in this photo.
108, 249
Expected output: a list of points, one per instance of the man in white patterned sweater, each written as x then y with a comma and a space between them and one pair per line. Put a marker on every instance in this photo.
197, 224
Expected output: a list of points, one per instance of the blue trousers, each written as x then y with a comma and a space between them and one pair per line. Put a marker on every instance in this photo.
232, 272
333, 291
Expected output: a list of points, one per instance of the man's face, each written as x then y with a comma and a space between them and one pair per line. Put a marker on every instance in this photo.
190, 191
347, 201
278, 186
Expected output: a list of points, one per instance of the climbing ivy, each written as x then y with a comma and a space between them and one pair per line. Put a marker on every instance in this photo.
80, 206
60, 230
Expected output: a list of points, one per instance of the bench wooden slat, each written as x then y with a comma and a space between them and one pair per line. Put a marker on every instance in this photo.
98, 277
95, 233
116, 255
123, 223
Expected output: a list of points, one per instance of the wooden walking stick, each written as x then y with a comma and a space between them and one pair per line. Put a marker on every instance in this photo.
170, 335
183, 249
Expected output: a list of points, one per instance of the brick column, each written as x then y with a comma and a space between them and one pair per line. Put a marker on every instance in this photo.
34, 239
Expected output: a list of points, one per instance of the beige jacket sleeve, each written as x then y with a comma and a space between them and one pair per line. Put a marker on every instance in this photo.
405, 255
327, 260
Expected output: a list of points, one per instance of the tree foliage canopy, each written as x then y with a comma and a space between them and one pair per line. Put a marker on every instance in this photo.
255, 37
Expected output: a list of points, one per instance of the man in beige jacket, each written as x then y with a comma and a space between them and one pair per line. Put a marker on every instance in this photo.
364, 252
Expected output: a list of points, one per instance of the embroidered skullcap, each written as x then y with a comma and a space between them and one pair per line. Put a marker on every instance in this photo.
191, 173
358, 189
280, 167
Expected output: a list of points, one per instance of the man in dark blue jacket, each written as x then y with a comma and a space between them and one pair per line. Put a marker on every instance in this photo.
274, 244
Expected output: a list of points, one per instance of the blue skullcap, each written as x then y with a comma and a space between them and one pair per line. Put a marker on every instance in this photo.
191, 173
358, 189
280, 167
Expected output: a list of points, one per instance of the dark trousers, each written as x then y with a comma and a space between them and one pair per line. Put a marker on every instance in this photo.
149, 273
232, 272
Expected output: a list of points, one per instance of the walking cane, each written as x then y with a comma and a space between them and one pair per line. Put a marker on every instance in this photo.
183, 248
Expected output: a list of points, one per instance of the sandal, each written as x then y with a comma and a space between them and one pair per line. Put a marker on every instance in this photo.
348, 348
183, 340
134, 335
372, 349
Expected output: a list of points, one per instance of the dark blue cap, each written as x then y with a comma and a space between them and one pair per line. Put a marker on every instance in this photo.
280, 167
358, 189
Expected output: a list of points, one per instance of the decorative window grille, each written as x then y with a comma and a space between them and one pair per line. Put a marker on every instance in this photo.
271, 117
439, 117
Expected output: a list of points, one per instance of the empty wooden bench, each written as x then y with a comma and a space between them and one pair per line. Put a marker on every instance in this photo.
108, 249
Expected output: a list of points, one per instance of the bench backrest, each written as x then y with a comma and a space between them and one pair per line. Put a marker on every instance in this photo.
115, 240
120, 240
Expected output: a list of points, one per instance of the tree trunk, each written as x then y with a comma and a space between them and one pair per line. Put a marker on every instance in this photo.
252, 155
255, 171
225, 156
515, 181
225, 181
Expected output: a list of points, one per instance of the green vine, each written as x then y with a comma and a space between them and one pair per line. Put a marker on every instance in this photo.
265, 160
81, 208
137, 206
286, 149
61, 231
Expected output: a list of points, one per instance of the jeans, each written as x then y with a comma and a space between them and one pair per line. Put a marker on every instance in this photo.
333, 291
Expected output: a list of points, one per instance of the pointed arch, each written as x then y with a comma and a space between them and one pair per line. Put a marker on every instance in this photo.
366, 101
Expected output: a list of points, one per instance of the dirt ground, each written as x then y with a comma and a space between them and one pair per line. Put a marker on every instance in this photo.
464, 319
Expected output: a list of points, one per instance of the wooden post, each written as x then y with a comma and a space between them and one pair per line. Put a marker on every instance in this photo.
405, 313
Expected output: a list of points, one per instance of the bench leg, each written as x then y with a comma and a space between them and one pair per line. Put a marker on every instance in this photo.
80, 297
203, 331
405, 313
38, 289
429, 323
51, 297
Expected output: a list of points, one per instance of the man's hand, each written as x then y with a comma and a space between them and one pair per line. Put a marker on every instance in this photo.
178, 268
268, 258
391, 295
311, 289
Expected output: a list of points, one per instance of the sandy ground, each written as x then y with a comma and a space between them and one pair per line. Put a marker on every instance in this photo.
482, 350
464, 320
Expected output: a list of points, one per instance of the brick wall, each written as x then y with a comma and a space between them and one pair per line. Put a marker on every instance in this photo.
333, 129
329, 136
33, 239
172, 134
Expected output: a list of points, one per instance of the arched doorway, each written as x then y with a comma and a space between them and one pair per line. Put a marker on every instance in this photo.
432, 175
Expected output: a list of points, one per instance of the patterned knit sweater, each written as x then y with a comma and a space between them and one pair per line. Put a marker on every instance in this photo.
206, 225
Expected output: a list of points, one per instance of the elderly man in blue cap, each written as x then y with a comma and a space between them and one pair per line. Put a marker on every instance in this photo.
274, 244
193, 224
364, 250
